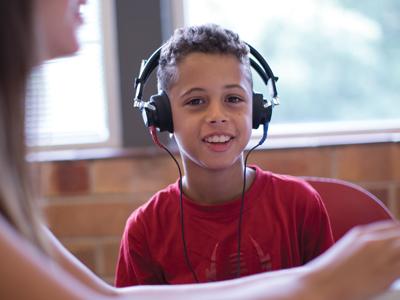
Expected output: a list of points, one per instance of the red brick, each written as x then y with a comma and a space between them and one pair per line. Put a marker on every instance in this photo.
364, 163
113, 176
397, 202
88, 219
155, 173
110, 255
133, 175
300, 162
65, 178
382, 194
85, 252
396, 162
45, 178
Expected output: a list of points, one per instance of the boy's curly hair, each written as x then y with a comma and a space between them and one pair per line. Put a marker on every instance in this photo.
208, 38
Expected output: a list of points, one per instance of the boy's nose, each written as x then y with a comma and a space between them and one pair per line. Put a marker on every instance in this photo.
216, 114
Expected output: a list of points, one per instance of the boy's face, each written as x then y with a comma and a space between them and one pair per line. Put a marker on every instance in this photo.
211, 104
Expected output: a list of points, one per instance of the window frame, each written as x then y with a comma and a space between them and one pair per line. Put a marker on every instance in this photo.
303, 135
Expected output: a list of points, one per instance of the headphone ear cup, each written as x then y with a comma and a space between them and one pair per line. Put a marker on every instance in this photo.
161, 117
261, 114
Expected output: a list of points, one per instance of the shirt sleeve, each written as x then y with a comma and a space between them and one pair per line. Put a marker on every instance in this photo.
316, 233
135, 265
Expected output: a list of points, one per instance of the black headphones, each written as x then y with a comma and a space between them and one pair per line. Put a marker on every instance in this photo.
157, 111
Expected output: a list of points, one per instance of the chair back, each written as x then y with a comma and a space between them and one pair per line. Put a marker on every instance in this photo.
348, 204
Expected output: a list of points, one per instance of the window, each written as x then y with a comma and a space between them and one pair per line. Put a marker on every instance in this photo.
72, 101
337, 63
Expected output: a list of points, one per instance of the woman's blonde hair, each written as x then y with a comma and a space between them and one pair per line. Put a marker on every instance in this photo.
18, 56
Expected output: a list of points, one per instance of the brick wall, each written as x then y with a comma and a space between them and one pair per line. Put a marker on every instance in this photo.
87, 201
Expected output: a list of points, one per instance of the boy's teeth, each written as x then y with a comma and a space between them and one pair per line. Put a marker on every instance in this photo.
218, 139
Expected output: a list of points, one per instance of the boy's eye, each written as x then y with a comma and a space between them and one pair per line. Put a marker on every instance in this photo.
195, 101
234, 99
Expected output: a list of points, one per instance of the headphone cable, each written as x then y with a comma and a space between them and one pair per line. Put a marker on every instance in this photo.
154, 136
239, 240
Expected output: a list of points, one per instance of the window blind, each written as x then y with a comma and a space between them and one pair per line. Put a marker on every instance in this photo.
66, 100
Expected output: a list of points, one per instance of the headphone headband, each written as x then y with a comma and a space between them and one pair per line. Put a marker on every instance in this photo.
145, 70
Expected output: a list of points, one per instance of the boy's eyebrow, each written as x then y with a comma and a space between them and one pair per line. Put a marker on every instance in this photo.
197, 89
230, 86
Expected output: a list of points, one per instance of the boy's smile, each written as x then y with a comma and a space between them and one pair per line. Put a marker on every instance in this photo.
211, 104
218, 142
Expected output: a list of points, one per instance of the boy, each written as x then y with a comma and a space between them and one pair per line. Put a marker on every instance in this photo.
205, 72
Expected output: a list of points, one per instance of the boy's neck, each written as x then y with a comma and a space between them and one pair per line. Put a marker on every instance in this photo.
210, 187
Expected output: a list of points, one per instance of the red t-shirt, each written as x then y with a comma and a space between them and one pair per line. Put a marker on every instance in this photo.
284, 225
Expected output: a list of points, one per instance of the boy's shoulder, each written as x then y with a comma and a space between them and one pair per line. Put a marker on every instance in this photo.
285, 180
285, 188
